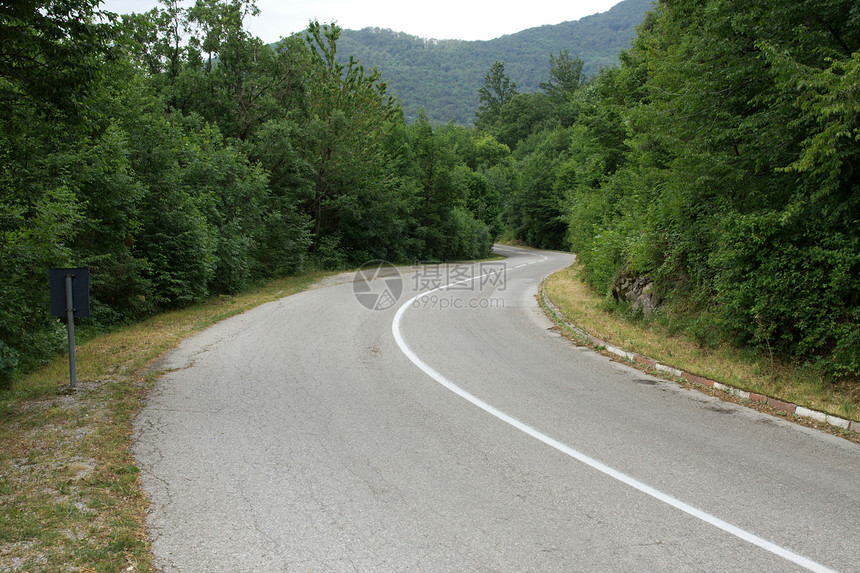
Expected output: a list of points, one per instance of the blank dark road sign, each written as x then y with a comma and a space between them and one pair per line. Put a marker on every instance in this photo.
80, 291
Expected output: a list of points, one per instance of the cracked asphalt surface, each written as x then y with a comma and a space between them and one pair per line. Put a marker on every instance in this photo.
299, 437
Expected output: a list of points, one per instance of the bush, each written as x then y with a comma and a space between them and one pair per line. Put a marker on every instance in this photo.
468, 238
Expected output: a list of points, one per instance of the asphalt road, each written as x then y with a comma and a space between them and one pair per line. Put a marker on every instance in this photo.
454, 430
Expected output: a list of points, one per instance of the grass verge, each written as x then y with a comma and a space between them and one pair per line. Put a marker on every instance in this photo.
70, 497
723, 363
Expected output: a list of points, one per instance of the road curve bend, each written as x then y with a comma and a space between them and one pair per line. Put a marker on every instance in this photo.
431, 419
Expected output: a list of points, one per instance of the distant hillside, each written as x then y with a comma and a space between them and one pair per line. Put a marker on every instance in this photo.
443, 76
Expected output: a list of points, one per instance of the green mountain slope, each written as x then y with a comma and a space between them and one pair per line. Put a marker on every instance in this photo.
443, 76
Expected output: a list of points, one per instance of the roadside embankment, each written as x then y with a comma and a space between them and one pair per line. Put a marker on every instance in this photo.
756, 381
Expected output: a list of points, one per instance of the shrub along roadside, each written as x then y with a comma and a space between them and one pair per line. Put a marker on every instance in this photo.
69, 490
662, 339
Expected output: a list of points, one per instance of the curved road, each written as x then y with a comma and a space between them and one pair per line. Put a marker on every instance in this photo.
452, 429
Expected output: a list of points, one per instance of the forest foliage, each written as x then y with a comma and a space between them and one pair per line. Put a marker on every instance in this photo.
720, 160
179, 157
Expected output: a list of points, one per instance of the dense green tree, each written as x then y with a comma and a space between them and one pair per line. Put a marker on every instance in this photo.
482, 198
348, 115
771, 228
535, 213
523, 116
105, 237
720, 164
434, 163
284, 233
38, 215
158, 37
565, 77
717, 159
51, 59
51, 55
447, 188
498, 90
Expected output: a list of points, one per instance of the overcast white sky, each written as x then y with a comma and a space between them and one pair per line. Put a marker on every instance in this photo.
439, 19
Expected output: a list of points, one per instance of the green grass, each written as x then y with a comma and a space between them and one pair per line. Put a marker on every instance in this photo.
70, 494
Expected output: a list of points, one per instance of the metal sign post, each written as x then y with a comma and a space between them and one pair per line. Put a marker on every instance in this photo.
70, 320
70, 297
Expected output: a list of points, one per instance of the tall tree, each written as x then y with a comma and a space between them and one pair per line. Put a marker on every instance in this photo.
565, 75
498, 90
348, 113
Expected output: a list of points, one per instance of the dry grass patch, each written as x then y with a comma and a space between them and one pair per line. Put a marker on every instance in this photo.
723, 363
70, 497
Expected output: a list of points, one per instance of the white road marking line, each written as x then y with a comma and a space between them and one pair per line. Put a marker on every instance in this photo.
579, 456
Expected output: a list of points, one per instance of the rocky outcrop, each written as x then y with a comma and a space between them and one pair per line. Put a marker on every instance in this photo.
637, 291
